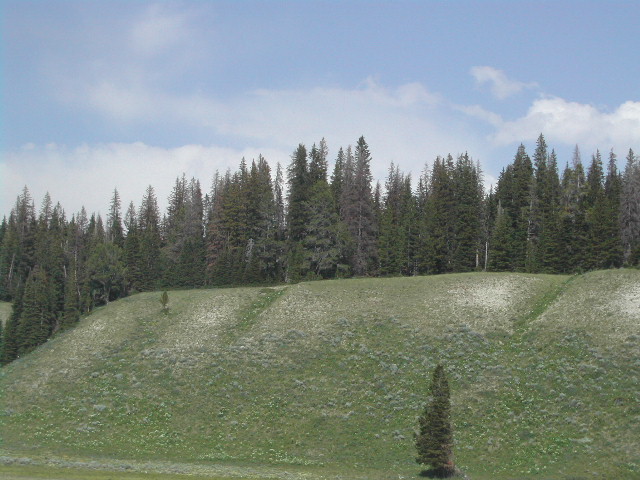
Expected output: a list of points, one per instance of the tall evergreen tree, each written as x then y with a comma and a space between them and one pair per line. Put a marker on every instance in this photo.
299, 186
37, 317
150, 240
434, 440
514, 194
71, 313
439, 228
357, 210
630, 210
467, 214
115, 232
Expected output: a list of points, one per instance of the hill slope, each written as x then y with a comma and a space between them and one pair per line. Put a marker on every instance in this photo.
328, 378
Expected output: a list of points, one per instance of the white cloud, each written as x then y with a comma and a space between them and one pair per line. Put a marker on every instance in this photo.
86, 175
501, 86
407, 125
574, 123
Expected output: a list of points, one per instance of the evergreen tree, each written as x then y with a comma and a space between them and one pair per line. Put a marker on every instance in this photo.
9, 350
439, 227
299, 186
357, 210
115, 232
392, 240
501, 243
150, 240
71, 298
106, 273
467, 214
514, 194
336, 179
37, 317
434, 440
630, 211
132, 256
323, 247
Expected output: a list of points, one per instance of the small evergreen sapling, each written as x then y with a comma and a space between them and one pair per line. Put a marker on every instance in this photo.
164, 300
434, 441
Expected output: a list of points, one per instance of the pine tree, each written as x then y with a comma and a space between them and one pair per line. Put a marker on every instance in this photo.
299, 185
439, 223
467, 214
392, 240
324, 244
106, 273
37, 317
501, 243
71, 313
114, 221
434, 440
10, 343
357, 209
630, 211
150, 240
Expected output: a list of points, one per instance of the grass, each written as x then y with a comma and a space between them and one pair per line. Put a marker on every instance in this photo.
31, 472
326, 379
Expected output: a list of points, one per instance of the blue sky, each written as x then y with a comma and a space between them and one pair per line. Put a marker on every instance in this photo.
98, 95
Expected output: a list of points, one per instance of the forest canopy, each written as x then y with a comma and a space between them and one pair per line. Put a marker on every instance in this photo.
258, 225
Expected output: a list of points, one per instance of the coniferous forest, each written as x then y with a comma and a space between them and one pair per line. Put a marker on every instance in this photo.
260, 226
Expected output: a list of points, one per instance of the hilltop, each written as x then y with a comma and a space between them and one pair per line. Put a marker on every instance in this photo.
326, 379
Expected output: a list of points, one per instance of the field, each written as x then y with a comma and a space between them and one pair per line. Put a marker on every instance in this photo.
326, 380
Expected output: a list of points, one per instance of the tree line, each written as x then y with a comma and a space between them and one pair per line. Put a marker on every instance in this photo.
256, 226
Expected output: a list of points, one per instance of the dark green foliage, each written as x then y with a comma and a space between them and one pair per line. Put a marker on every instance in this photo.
10, 339
467, 214
398, 232
106, 273
630, 211
71, 313
437, 246
299, 184
325, 243
513, 193
149, 240
434, 440
164, 300
115, 232
357, 210
37, 316
184, 250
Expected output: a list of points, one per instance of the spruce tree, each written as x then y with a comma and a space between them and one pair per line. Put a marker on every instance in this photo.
630, 210
36, 317
357, 209
434, 440
114, 221
299, 184
150, 240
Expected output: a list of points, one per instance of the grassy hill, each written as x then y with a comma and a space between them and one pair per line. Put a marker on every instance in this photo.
326, 379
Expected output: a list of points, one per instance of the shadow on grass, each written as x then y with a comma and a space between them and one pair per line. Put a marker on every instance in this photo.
439, 473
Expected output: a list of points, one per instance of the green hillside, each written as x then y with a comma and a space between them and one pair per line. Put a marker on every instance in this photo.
326, 379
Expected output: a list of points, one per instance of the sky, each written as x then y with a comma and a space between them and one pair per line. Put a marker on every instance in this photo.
104, 95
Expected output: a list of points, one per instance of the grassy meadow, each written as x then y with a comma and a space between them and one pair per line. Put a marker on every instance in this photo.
327, 379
